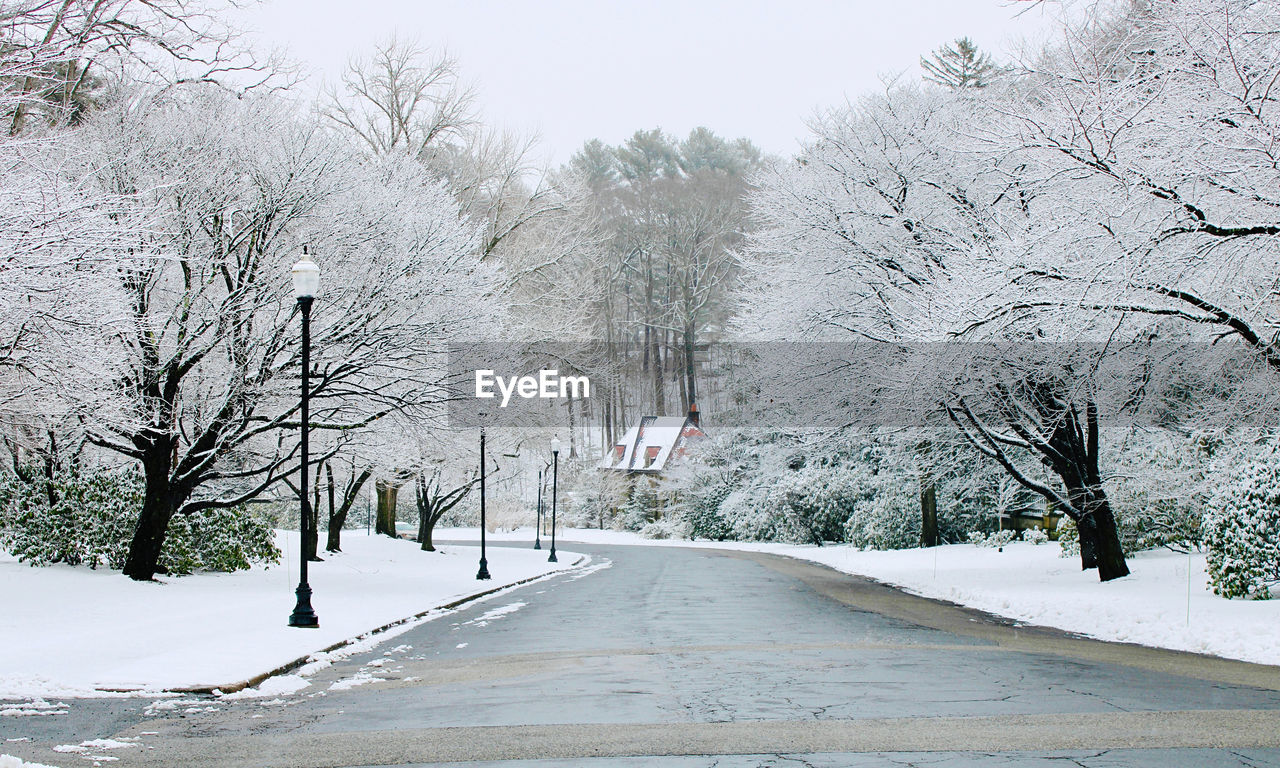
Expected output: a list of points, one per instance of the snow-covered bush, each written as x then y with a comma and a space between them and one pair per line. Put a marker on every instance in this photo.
85, 516
817, 501
887, 513
727, 487
973, 492
700, 510
1000, 538
1068, 537
230, 539
1159, 487
700, 487
1242, 527
1036, 536
74, 517
593, 500
642, 507
752, 514
995, 540
665, 529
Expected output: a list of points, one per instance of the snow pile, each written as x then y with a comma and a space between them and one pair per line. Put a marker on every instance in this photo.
35, 708
69, 632
9, 761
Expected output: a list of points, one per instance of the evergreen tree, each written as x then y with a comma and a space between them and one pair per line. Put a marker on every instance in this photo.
959, 65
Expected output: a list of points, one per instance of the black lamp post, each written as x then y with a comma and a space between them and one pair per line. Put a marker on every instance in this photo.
483, 573
306, 280
537, 530
555, 475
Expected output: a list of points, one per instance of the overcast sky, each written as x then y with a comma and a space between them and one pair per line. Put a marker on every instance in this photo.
571, 70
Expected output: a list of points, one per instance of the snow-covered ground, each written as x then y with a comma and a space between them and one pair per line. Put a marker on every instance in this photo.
73, 631
1165, 602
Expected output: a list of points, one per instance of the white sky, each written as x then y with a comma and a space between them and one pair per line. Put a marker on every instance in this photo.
571, 70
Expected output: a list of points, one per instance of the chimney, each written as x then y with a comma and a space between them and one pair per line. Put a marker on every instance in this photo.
693, 414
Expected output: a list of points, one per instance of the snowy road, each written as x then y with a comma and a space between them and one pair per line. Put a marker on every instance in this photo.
760, 660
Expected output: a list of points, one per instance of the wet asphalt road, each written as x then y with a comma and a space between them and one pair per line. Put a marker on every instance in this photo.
698, 658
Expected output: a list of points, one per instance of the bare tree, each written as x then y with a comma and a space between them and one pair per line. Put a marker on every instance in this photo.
162, 40
399, 100
436, 499
911, 239
236, 186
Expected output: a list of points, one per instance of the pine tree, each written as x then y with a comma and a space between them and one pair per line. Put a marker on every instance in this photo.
959, 65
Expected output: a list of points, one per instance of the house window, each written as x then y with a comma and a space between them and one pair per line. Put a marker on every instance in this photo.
651, 455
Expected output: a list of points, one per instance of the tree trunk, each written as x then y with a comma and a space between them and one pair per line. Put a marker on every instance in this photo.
690, 385
339, 518
1087, 532
1110, 552
1100, 545
606, 446
158, 506
1074, 457
573, 427
333, 543
1071, 449
386, 518
425, 523
426, 530
659, 391
928, 512
312, 541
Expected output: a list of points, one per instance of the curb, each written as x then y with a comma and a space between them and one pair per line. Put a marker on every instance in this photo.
298, 662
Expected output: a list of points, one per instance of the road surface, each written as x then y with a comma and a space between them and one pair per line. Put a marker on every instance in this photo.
698, 658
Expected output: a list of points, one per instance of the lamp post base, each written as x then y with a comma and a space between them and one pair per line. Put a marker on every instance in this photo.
303, 615
483, 574
552, 559
537, 543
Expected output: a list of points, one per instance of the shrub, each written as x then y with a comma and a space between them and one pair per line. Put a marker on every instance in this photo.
87, 517
995, 540
1161, 485
699, 508
642, 507
1068, 537
592, 501
74, 517
665, 529
1242, 528
1036, 536
816, 502
887, 515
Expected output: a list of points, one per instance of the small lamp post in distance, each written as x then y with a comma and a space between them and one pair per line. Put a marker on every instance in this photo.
483, 573
555, 475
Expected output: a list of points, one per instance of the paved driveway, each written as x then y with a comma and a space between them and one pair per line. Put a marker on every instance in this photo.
698, 658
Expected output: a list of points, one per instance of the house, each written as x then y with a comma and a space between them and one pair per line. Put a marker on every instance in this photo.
649, 446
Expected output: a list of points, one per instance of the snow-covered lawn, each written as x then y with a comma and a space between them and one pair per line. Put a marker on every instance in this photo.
73, 631
1155, 605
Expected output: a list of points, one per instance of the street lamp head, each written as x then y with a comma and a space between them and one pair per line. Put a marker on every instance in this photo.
555, 445
306, 277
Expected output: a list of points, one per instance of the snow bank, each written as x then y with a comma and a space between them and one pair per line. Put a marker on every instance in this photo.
73, 631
